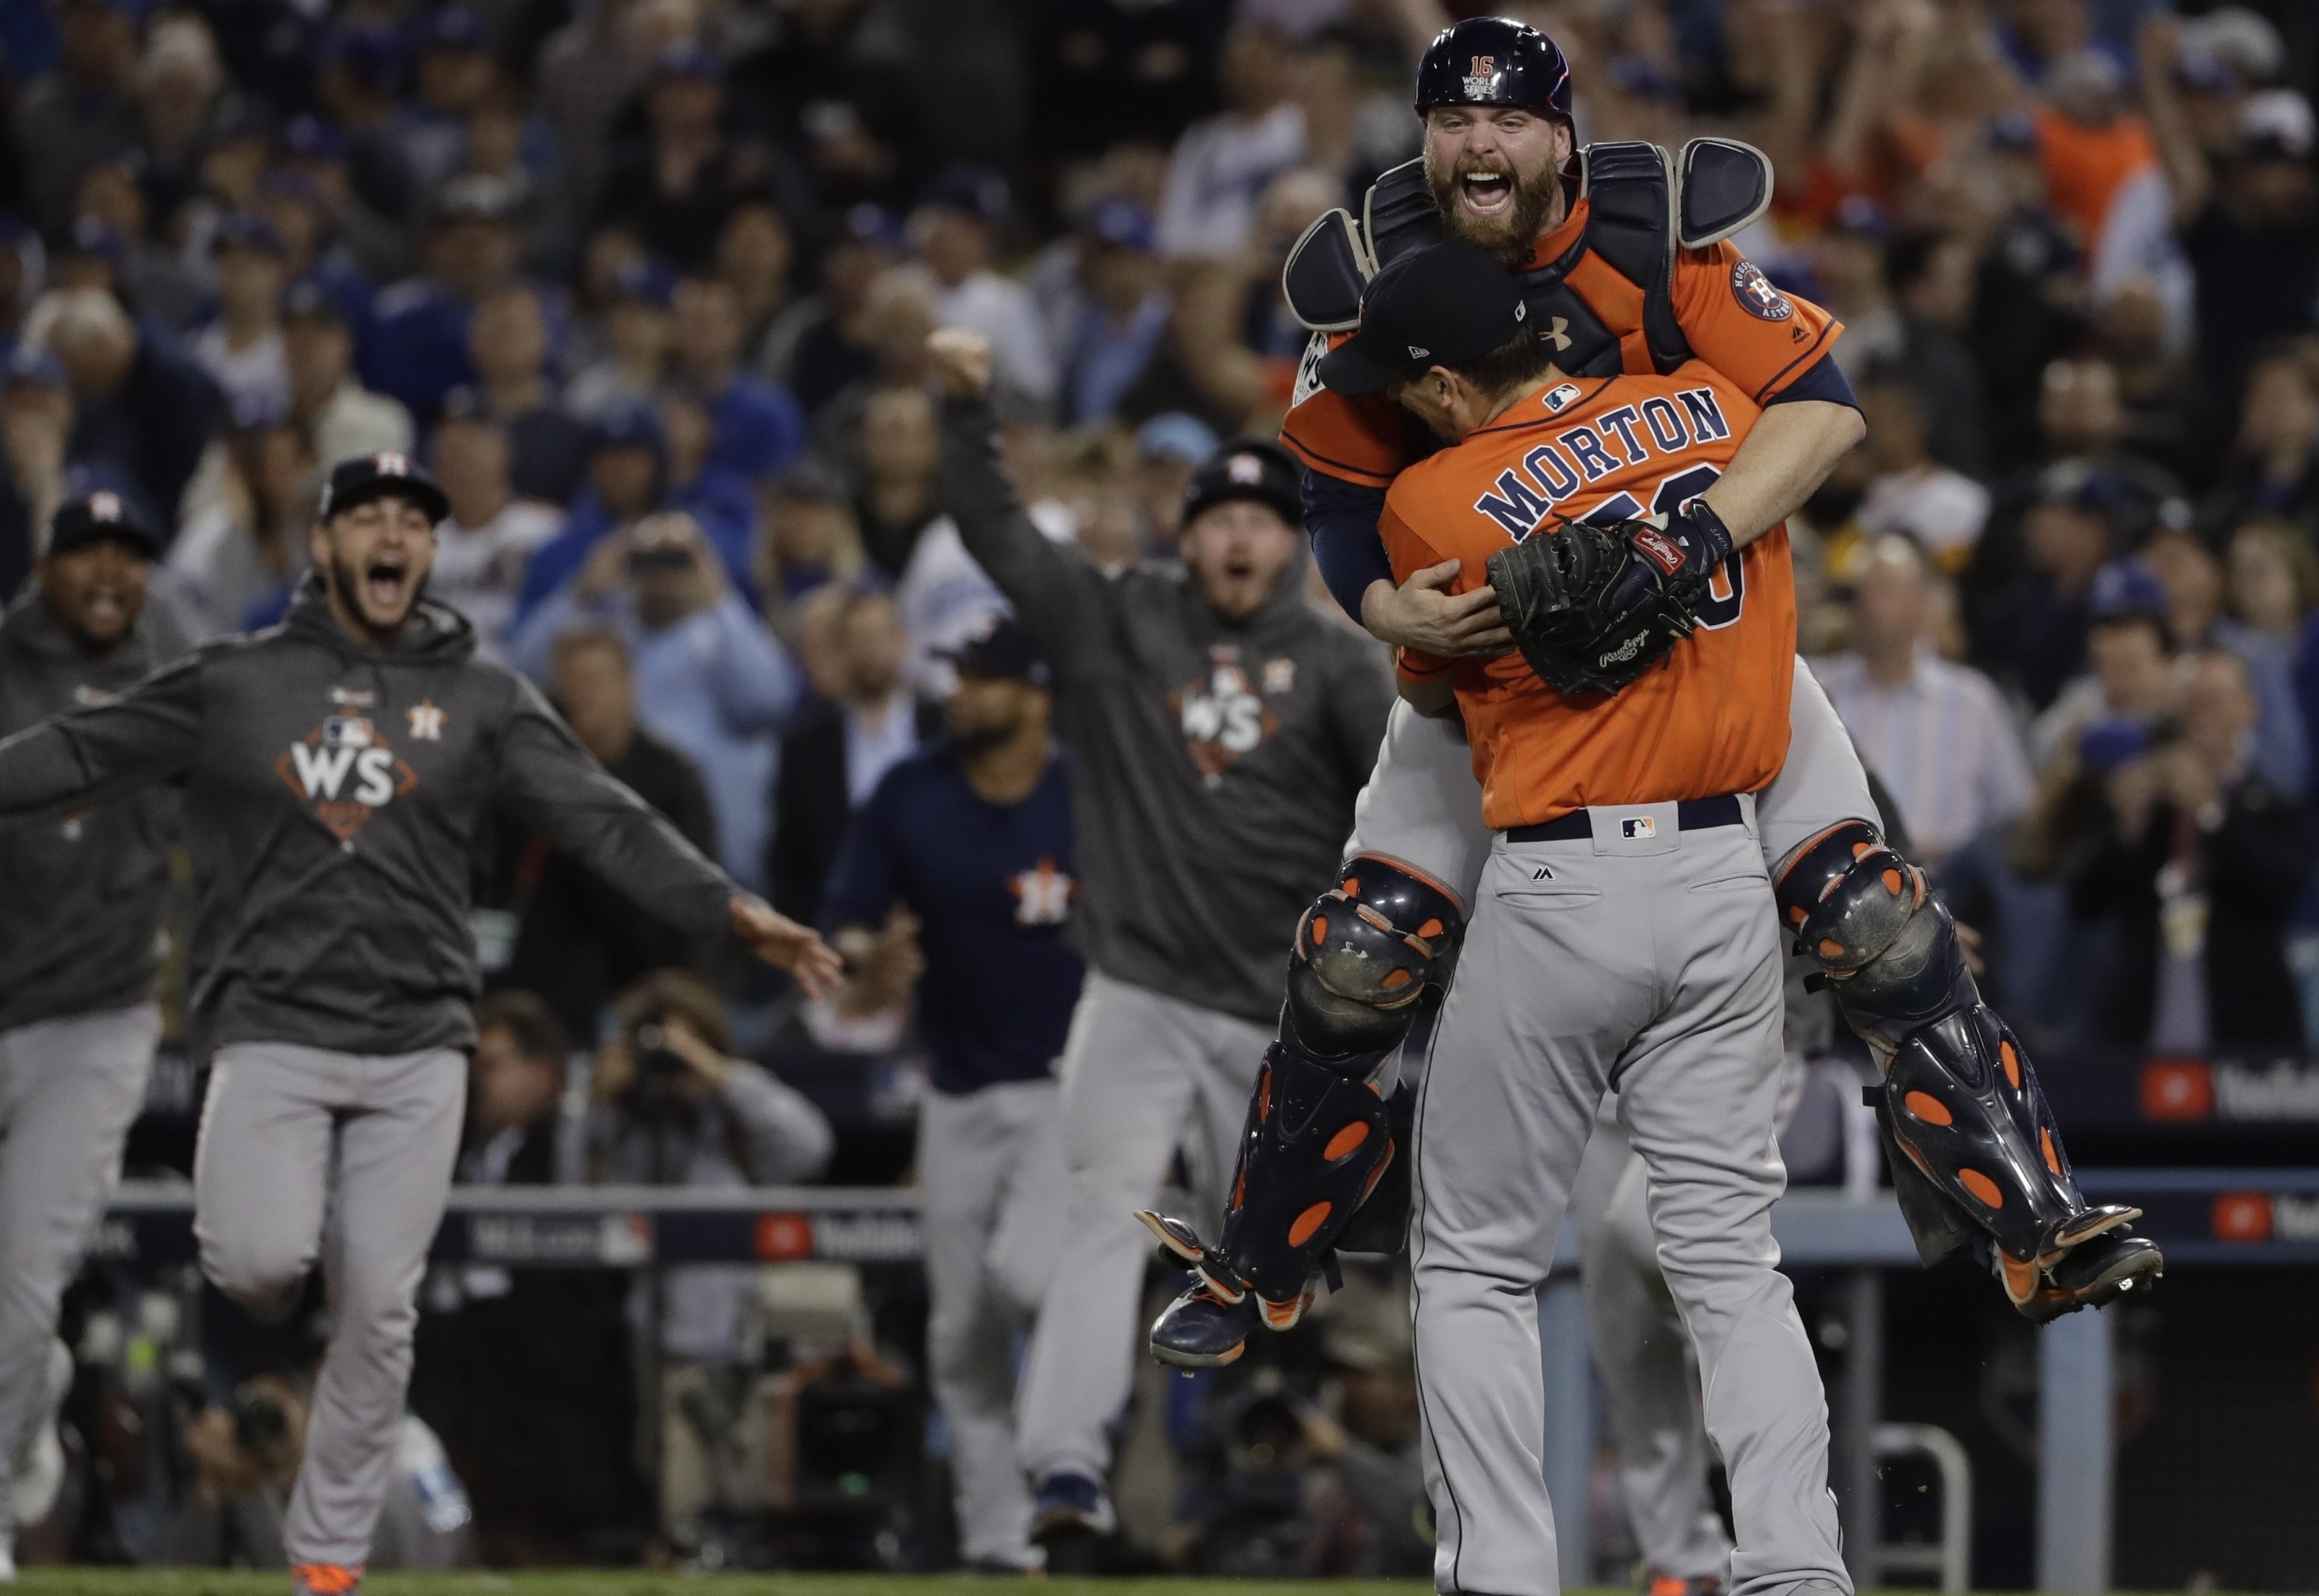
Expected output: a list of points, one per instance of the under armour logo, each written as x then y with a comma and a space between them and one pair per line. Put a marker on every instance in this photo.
1558, 335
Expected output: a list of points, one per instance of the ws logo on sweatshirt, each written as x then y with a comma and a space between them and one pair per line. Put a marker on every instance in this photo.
344, 772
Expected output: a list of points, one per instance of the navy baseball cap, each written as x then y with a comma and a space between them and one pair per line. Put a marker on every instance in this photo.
687, 60
2124, 590
308, 300
366, 477
1122, 224
648, 282
244, 230
977, 191
634, 426
809, 481
1251, 469
94, 236
1000, 650
872, 223
92, 518
310, 138
1441, 305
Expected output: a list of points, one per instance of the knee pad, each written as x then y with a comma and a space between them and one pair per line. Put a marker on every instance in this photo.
1316, 1143
1366, 953
1890, 952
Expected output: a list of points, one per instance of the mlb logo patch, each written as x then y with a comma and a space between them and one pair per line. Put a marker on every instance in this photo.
1560, 395
347, 731
1639, 828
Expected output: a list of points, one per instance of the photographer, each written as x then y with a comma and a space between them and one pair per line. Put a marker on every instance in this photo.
674, 1107
2196, 870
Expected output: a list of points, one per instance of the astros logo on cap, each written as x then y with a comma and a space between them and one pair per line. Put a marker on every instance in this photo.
391, 464
1244, 468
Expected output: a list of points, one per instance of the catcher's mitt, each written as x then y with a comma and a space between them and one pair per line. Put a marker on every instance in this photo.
1591, 607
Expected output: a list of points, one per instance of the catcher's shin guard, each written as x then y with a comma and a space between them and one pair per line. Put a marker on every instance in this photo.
1978, 1150
1320, 1135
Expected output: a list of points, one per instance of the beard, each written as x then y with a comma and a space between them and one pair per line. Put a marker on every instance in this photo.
1505, 238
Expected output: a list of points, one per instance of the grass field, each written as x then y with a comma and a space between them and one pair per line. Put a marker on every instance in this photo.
128, 1582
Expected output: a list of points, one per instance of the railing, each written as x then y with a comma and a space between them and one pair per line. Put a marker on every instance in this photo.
2200, 1216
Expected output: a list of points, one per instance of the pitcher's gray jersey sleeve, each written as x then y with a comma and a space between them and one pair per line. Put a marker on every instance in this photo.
558, 789
149, 733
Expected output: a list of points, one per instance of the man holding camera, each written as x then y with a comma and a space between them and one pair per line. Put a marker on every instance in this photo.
77, 1017
967, 848
336, 772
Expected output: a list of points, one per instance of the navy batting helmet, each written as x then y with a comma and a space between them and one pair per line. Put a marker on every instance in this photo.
1494, 60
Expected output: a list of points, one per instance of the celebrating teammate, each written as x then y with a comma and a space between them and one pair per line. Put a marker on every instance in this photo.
1624, 936
77, 1016
334, 771
1218, 732
1623, 268
974, 839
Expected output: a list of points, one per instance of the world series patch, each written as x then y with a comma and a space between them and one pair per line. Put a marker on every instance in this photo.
1755, 294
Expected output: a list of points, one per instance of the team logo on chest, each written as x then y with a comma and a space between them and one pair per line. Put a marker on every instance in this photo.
1224, 716
344, 772
426, 721
1043, 895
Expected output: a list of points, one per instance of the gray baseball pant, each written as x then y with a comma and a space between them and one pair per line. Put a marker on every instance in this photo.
1421, 806
291, 1137
990, 1173
70, 1089
1647, 964
1141, 1074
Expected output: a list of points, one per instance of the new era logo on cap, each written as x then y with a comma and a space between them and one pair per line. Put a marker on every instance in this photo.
1244, 468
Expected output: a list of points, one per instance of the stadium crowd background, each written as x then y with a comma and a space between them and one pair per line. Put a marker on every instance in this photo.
647, 283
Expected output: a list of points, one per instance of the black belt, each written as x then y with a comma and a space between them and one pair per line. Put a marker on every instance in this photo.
1690, 815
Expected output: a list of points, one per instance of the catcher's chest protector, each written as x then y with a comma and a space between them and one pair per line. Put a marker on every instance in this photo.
1606, 302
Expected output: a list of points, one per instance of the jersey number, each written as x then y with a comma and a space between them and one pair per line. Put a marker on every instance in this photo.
1726, 589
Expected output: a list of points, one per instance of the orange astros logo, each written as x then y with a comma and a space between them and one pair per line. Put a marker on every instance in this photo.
346, 772
1043, 895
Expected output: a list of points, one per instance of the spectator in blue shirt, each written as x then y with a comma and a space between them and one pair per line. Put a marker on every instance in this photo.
758, 427
711, 682
1123, 311
418, 348
959, 872
508, 344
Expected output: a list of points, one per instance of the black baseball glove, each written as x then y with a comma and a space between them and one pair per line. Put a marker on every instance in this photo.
1591, 608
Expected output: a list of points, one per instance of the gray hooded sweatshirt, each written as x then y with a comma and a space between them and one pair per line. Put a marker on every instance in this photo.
80, 893
1214, 764
332, 797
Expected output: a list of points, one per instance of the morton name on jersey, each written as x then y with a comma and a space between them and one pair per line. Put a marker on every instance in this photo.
1714, 718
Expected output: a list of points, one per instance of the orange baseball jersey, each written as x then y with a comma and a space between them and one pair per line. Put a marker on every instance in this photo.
1758, 338
1714, 718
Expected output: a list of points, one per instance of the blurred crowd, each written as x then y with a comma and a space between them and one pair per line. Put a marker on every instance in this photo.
647, 284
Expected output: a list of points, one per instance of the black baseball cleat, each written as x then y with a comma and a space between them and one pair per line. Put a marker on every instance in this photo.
2088, 1275
1202, 1329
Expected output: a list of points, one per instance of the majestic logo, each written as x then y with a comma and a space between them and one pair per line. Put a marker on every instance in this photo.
1223, 718
1479, 71
345, 773
1755, 294
1043, 895
1639, 828
426, 722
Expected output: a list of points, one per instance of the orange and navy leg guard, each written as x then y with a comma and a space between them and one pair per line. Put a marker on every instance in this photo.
1978, 1162
1320, 1134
